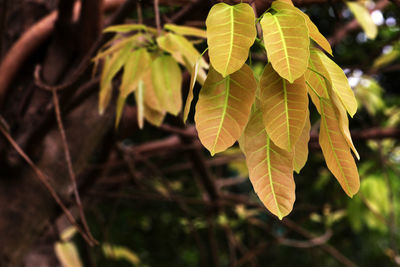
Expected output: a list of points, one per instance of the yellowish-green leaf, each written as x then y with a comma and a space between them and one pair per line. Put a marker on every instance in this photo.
129, 28
186, 30
139, 96
67, 254
154, 117
150, 97
270, 167
283, 6
339, 82
316, 77
167, 79
119, 109
120, 252
300, 151
193, 76
223, 108
231, 32
385, 59
287, 43
336, 151
284, 107
183, 52
363, 17
137, 65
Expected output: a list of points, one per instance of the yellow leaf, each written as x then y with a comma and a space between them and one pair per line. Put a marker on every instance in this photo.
67, 254
119, 109
153, 116
336, 150
270, 167
385, 59
300, 151
167, 78
193, 76
139, 95
185, 30
287, 43
339, 82
223, 108
231, 32
150, 97
137, 64
284, 107
183, 52
120, 252
283, 6
125, 28
363, 17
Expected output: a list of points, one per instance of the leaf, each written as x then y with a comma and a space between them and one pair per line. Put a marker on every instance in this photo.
223, 108
150, 97
336, 150
167, 79
136, 66
154, 117
139, 95
300, 151
363, 17
129, 28
270, 167
287, 43
284, 107
231, 32
183, 52
339, 82
316, 77
283, 6
185, 30
112, 66
120, 252
189, 99
67, 254
386, 59
119, 109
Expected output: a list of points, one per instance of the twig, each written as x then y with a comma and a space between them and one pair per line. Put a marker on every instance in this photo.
70, 167
157, 15
44, 180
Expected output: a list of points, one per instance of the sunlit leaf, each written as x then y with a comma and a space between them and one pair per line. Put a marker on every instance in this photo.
284, 107
339, 82
282, 6
223, 108
300, 151
363, 17
385, 59
183, 52
270, 167
67, 254
150, 97
193, 76
119, 253
231, 31
154, 117
128, 28
167, 79
139, 96
287, 43
336, 151
186, 30
369, 94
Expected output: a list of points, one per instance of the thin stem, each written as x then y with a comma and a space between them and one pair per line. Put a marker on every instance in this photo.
157, 15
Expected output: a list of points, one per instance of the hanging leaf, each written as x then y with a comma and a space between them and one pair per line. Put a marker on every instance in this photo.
154, 117
223, 108
287, 43
185, 30
339, 82
300, 151
120, 253
363, 17
129, 28
336, 150
231, 32
183, 52
139, 95
284, 107
193, 76
119, 109
286, 7
167, 79
270, 167
150, 97
67, 254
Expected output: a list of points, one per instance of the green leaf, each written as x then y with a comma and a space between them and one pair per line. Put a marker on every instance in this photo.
120, 252
167, 79
285, 107
270, 167
287, 43
185, 30
231, 32
223, 108
363, 17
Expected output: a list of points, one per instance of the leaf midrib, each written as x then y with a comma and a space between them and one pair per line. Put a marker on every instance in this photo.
231, 42
284, 46
270, 177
